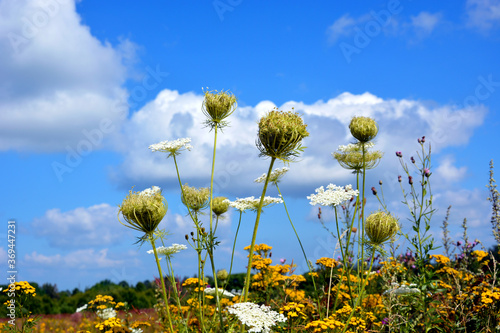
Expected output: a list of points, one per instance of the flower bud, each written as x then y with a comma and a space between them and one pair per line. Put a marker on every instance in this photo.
354, 229
399, 154
410, 180
187, 237
280, 135
427, 172
374, 191
380, 182
217, 106
412, 160
380, 227
363, 128
222, 275
143, 211
195, 199
423, 139
220, 205
399, 179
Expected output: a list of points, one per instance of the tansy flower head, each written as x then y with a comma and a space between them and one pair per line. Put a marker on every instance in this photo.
143, 211
363, 128
280, 135
380, 227
217, 106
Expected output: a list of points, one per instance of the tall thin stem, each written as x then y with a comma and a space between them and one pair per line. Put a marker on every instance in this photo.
162, 282
256, 226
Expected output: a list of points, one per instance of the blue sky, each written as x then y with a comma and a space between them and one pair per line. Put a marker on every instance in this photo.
86, 87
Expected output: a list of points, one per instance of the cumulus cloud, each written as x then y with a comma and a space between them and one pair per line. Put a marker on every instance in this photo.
448, 172
80, 227
172, 115
57, 79
483, 14
340, 28
425, 23
81, 259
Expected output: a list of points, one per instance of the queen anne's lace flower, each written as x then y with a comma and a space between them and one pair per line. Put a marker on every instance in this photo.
151, 191
402, 290
106, 313
172, 147
253, 203
211, 291
333, 196
258, 318
80, 309
274, 177
168, 251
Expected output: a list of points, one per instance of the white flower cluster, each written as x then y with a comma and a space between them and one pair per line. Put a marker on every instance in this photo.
80, 309
168, 251
355, 147
253, 203
333, 196
402, 289
172, 146
151, 191
258, 318
274, 177
211, 291
136, 330
106, 313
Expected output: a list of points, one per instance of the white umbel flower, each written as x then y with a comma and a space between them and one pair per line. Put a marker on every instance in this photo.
402, 289
258, 318
151, 191
172, 147
106, 313
168, 251
80, 309
211, 291
274, 177
332, 196
253, 203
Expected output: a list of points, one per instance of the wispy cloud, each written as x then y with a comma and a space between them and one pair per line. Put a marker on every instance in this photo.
80, 227
425, 23
81, 259
483, 14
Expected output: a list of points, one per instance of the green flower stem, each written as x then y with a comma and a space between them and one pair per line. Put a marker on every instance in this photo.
361, 223
232, 253
300, 243
212, 231
162, 282
256, 226
358, 300
331, 270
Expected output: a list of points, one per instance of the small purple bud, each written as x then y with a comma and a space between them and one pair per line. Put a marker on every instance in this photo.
419, 141
399, 154
343, 207
282, 260
413, 266
412, 160
410, 180
423, 139
427, 172
374, 191
399, 179
459, 243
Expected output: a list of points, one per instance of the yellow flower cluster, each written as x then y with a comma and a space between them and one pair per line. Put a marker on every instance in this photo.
327, 262
23, 286
293, 310
480, 254
100, 302
440, 258
109, 325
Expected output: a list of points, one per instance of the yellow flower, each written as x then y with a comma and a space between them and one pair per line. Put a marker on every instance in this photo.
480, 254
440, 258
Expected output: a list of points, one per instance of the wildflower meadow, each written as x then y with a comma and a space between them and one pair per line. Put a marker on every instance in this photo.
370, 283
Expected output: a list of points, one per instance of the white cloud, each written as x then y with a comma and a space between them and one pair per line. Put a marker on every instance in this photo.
80, 227
172, 115
340, 28
448, 172
425, 23
81, 259
483, 14
57, 79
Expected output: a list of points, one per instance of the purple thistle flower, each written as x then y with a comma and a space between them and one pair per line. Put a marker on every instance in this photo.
412, 160
399, 154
